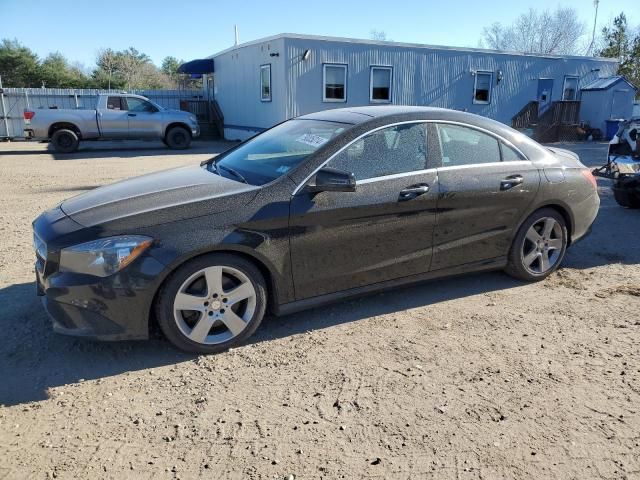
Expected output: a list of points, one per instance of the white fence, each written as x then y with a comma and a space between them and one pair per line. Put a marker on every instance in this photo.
14, 101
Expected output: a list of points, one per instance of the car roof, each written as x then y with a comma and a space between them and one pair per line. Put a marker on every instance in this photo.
355, 115
379, 115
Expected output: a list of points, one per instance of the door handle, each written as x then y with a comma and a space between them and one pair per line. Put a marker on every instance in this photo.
413, 191
131, 114
511, 181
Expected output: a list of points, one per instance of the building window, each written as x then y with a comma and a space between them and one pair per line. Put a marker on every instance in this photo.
265, 83
482, 87
570, 89
380, 84
334, 83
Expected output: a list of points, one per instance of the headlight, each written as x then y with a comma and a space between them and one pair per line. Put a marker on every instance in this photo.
39, 246
193, 119
103, 257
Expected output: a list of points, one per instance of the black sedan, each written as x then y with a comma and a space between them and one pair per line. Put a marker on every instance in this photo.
325, 206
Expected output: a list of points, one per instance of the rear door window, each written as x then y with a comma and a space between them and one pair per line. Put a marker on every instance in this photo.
466, 146
509, 154
115, 103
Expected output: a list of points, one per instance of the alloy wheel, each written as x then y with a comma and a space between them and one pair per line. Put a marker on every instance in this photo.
214, 305
542, 246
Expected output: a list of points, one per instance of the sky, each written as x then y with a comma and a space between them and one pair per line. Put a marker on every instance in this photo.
190, 29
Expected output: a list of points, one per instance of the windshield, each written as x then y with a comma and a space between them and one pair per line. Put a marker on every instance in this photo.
276, 151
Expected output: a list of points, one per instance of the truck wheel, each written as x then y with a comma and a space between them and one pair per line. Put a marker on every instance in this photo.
65, 141
178, 138
625, 198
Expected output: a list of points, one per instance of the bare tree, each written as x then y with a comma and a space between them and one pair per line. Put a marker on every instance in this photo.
559, 32
379, 35
108, 61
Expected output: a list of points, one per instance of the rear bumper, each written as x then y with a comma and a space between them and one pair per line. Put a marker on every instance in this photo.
584, 214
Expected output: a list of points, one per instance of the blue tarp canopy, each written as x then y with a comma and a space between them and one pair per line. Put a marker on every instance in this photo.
204, 65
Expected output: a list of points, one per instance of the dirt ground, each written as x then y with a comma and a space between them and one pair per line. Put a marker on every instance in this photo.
465, 378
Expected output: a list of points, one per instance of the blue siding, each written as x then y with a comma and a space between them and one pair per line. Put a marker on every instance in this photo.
428, 76
237, 88
422, 75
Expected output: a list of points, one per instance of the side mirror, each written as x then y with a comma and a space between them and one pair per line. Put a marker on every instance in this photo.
332, 180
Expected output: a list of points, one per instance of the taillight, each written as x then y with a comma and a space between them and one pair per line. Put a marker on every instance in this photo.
586, 173
28, 114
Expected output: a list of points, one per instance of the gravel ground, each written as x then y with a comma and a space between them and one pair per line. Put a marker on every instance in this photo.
466, 378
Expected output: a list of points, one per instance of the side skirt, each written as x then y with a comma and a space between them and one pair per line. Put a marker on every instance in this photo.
313, 302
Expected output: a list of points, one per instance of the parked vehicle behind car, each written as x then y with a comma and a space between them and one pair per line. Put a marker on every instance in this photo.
329, 205
116, 117
623, 164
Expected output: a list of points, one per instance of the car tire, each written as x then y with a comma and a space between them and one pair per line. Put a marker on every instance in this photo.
625, 199
208, 284
65, 140
539, 246
178, 138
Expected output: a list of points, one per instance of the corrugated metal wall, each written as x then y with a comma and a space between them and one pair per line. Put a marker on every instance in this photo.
598, 105
15, 100
428, 76
237, 88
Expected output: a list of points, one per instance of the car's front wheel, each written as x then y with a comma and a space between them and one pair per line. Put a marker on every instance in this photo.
212, 303
539, 246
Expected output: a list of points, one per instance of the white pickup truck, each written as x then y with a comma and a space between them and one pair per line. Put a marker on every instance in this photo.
117, 116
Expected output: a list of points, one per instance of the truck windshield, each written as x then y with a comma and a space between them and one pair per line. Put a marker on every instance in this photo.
276, 151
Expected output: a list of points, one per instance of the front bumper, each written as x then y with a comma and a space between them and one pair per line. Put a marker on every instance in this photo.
195, 131
111, 308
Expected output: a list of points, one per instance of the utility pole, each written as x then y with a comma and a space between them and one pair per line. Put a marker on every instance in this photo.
593, 34
5, 114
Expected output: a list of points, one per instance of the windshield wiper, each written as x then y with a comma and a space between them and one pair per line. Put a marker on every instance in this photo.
233, 172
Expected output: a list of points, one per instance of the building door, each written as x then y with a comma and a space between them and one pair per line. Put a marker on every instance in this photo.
621, 106
545, 90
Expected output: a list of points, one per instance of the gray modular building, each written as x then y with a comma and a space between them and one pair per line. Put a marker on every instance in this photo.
263, 82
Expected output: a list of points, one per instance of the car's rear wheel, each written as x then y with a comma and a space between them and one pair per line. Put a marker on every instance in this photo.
212, 303
178, 138
539, 246
65, 140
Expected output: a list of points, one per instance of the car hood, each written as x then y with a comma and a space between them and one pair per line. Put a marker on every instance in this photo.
178, 112
159, 197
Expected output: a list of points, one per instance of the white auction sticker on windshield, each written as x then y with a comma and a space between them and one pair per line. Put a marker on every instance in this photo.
311, 139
